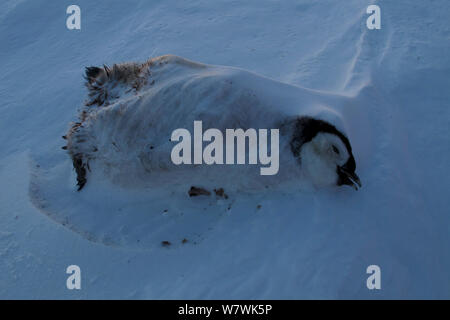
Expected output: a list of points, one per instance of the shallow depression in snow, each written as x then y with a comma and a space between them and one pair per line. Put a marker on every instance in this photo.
117, 217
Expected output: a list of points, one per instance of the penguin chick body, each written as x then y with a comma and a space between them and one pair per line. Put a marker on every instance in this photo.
125, 128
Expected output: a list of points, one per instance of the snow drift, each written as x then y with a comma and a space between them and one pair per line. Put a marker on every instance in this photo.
134, 112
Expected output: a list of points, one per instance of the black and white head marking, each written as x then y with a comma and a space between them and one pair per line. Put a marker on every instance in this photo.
324, 152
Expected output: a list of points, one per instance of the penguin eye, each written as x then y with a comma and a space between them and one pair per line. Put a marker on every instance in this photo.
335, 149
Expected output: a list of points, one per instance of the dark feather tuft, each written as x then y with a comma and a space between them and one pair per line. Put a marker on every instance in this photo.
107, 70
91, 73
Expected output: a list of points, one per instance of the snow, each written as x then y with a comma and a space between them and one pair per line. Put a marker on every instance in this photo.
393, 85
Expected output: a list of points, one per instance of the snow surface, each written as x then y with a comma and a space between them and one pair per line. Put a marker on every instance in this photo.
314, 244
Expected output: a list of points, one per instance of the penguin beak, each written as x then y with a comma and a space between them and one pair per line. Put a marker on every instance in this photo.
348, 178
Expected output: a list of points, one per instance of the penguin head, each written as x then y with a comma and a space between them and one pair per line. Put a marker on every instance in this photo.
324, 153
